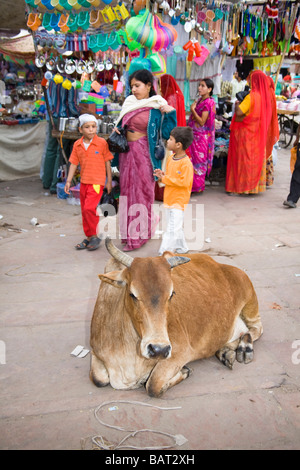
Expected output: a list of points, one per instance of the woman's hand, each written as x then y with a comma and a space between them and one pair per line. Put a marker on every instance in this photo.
166, 108
193, 106
236, 105
115, 129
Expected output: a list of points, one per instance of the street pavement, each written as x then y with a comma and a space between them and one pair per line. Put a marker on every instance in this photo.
48, 292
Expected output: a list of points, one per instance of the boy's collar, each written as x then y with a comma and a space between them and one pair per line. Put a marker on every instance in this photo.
91, 141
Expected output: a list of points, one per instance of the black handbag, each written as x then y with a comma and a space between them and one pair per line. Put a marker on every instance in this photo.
241, 95
108, 204
160, 149
117, 143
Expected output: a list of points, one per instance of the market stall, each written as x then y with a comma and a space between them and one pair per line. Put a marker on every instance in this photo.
21, 150
91, 46
22, 126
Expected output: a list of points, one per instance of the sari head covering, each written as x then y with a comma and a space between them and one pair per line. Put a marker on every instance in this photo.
172, 93
248, 138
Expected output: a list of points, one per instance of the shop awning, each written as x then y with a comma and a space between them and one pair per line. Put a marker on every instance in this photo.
18, 49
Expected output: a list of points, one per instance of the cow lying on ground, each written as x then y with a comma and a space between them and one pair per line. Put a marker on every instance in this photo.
154, 315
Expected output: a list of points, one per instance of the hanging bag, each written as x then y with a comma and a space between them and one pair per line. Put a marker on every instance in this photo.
159, 151
117, 143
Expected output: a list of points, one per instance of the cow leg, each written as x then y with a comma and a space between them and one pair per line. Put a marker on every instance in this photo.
250, 315
163, 377
244, 352
98, 372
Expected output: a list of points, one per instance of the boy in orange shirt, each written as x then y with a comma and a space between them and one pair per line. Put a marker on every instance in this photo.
93, 155
178, 181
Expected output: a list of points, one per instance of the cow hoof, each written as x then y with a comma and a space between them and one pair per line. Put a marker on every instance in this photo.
244, 352
97, 382
227, 357
186, 372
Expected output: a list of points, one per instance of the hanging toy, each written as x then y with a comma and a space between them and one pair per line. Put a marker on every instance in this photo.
67, 84
58, 78
193, 47
115, 81
272, 9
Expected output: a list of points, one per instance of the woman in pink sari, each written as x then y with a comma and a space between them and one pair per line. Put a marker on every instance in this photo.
142, 112
202, 121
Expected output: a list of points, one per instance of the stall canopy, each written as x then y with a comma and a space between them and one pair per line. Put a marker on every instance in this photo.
18, 50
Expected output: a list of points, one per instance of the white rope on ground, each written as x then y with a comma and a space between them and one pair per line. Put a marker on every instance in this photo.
100, 443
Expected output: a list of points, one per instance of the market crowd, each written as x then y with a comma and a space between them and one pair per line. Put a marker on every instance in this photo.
150, 117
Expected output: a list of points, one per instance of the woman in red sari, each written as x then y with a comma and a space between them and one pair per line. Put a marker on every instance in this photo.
172, 93
250, 132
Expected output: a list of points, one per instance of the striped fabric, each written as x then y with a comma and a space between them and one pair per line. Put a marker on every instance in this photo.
63, 102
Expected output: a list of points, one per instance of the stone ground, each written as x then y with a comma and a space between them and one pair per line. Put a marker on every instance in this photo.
48, 291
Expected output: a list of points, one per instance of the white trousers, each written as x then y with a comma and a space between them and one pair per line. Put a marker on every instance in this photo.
173, 239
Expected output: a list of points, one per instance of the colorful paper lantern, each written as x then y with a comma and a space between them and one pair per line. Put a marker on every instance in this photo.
150, 32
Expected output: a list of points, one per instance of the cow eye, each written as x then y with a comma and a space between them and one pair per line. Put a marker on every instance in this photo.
173, 293
133, 296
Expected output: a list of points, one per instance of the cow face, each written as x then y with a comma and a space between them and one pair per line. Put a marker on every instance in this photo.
149, 291
149, 305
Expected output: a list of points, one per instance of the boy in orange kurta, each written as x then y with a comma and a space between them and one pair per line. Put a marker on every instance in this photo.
178, 181
92, 154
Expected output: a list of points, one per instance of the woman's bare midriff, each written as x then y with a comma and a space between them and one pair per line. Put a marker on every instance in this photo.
132, 136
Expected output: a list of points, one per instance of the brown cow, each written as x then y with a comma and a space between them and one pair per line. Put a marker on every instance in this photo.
154, 315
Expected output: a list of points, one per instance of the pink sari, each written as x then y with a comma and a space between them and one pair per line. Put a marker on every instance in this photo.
137, 185
202, 148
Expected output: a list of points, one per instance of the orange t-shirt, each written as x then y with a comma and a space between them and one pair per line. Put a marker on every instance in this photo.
178, 182
91, 161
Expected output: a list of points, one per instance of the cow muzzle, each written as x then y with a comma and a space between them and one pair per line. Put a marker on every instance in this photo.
158, 351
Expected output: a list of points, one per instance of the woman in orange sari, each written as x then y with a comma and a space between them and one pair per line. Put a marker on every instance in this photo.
251, 131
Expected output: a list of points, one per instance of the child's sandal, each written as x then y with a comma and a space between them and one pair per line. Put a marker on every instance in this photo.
94, 243
83, 245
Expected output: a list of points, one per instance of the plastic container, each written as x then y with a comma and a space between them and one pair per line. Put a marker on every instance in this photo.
56, 5
74, 4
33, 21
65, 4
94, 3
96, 18
60, 189
75, 192
74, 198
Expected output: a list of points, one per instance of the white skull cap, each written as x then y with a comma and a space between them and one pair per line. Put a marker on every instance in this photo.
86, 118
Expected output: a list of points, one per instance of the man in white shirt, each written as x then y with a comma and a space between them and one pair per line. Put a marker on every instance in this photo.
238, 84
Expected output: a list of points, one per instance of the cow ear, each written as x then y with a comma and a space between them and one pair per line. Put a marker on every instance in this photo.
115, 278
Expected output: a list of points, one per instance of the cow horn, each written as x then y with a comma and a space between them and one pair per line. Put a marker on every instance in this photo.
177, 260
118, 254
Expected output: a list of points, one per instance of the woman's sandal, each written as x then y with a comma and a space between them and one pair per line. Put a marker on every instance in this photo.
83, 245
94, 243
